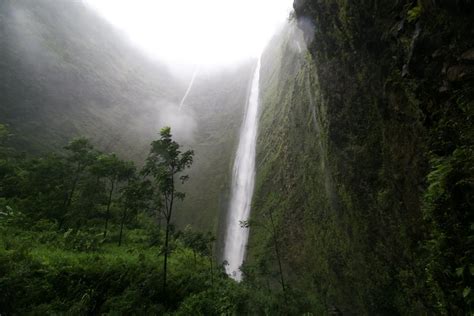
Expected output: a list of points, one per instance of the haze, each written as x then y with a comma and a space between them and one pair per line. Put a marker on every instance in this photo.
190, 32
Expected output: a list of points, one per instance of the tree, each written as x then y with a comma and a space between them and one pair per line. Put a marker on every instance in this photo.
4, 134
133, 198
163, 164
202, 243
43, 187
210, 239
81, 154
196, 241
272, 229
92, 196
7, 164
110, 167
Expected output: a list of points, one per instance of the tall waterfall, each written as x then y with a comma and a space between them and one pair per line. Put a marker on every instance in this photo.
243, 180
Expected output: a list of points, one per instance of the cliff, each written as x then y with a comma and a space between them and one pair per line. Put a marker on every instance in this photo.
365, 159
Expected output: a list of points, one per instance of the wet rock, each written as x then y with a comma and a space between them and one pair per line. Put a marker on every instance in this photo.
468, 55
334, 311
460, 73
298, 5
440, 52
444, 87
414, 40
444, 69
405, 71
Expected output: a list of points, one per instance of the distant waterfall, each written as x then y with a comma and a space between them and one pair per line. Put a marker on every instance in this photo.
243, 180
191, 83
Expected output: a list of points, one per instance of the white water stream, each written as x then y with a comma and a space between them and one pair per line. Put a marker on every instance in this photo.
190, 86
243, 179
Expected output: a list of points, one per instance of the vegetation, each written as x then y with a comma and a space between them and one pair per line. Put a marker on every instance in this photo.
164, 163
79, 235
365, 159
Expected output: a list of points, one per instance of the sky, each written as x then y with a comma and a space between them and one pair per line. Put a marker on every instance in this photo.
197, 32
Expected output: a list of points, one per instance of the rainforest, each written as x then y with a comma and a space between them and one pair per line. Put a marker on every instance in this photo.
264, 157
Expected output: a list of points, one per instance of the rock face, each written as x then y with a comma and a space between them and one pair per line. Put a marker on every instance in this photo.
365, 156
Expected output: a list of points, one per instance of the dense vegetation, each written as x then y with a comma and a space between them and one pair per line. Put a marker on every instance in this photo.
365, 159
83, 233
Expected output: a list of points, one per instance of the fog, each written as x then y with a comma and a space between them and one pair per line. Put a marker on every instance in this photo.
117, 71
186, 33
195, 39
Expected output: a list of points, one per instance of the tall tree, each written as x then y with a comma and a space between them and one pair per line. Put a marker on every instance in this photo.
7, 165
81, 154
163, 164
43, 186
110, 167
4, 134
272, 229
134, 197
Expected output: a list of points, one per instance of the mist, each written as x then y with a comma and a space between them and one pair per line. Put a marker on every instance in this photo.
188, 33
117, 72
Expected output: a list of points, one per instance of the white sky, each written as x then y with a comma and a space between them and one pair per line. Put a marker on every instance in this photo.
204, 32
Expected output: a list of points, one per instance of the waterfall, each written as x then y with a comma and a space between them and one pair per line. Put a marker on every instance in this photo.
191, 83
243, 179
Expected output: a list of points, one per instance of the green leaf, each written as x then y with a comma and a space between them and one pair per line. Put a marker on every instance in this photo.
466, 292
415, 13
67, 233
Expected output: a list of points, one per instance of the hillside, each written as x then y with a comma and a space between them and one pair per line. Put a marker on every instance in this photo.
65, 72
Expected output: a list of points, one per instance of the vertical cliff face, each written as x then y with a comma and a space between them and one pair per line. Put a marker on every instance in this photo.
365, 157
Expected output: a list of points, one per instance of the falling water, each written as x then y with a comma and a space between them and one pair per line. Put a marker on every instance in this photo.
242, 184
191, 83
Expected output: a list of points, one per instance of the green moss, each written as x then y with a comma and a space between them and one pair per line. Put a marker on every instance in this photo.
414, 13
343, 152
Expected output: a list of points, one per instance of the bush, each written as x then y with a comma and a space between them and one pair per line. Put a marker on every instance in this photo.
82, 240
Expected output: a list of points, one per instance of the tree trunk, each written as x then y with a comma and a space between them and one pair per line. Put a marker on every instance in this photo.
277, 251
159, 223
121, 226
68, 200
168, 220
212, 268
165, 262
107, 213
73, 187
